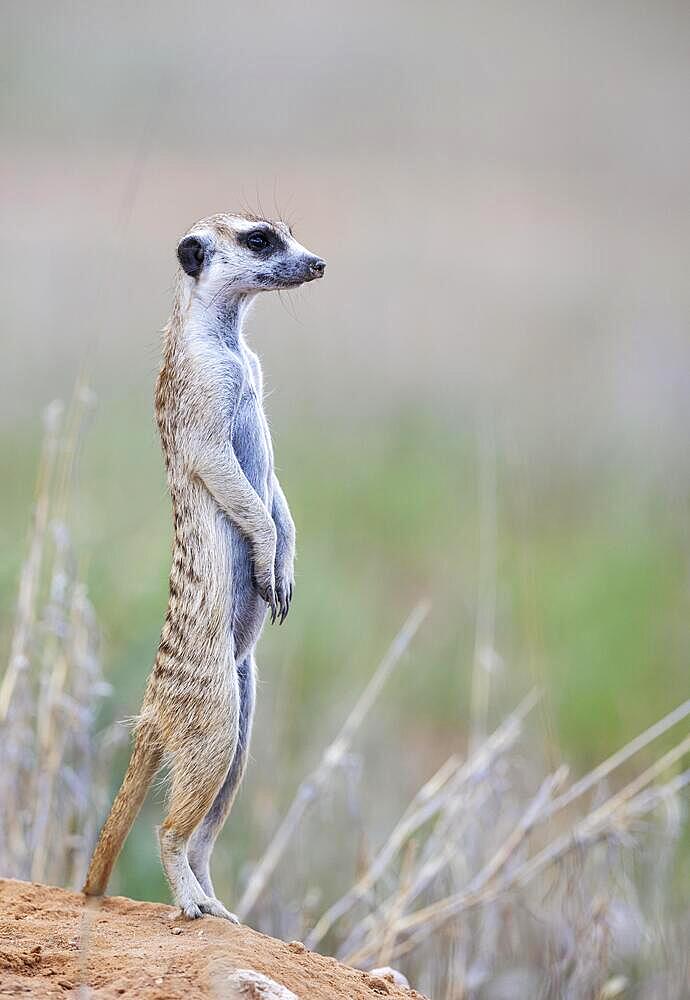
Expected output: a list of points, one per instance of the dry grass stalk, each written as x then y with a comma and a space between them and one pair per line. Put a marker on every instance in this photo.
398, 903
332, 758
428, 802
52, 768
608, 821
24, 619
584, 835
484, 660
619, 758
480, 882
484, 877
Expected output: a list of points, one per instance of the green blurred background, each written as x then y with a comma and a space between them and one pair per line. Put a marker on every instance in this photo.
485, 403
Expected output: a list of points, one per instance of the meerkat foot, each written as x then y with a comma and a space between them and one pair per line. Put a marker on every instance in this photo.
203, 904
207, 906
214, 908
211, 904
189, 895
194, 903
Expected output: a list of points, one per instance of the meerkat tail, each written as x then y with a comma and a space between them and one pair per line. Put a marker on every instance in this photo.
143, 764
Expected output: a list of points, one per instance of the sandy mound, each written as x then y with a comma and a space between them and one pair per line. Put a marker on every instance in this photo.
49, 944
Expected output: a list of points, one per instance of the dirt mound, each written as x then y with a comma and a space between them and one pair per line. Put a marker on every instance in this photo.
50, 943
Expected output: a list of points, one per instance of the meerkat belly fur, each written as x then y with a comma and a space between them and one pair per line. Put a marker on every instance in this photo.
233, 551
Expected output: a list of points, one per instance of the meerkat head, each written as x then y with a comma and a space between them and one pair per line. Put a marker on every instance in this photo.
240, 255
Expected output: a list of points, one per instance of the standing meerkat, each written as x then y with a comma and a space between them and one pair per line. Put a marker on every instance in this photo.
233, 551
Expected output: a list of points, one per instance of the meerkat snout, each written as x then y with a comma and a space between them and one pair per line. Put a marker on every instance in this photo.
316, 268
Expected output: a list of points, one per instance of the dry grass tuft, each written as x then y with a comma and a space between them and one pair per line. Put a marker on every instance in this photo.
497, 882
53, 762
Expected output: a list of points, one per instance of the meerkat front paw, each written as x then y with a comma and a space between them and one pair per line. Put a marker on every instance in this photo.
285, 585
264, 572
266, 586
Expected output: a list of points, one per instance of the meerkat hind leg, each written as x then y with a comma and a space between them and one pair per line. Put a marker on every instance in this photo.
194, 789
202, 840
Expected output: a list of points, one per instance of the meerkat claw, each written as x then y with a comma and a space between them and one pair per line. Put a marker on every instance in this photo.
268, 595
284, 594
191, 911
214, 908
200, 906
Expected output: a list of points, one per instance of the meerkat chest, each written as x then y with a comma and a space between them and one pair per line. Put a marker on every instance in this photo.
251, 440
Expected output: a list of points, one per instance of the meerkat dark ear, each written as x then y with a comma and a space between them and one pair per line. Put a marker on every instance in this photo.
191, 254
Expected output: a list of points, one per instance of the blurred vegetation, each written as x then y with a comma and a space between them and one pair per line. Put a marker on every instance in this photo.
591, 588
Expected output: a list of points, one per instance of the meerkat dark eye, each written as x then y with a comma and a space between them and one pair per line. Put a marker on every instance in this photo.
191, 254
257, 241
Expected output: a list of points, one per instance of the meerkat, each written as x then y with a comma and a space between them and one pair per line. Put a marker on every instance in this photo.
233, 551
